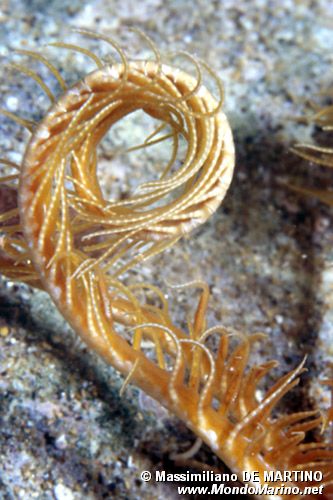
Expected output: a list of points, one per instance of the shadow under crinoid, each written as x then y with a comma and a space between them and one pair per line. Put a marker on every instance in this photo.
280, 246
60, 404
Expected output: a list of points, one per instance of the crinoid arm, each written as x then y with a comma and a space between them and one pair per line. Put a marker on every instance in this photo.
76, 244
314, 153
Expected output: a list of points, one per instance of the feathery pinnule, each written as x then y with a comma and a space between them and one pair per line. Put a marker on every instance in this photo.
75, 244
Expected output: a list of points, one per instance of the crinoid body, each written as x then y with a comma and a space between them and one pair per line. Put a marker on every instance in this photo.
64, 236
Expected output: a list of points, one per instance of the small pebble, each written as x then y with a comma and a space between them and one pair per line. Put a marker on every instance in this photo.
12, 103
61, 492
